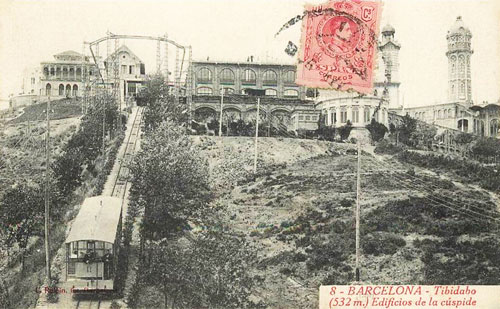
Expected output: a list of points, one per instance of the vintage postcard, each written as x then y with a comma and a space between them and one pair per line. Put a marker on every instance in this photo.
250, 154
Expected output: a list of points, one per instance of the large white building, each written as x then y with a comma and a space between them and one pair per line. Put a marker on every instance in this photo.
459, 111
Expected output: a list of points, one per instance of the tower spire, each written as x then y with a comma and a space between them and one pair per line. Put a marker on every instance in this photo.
459, 54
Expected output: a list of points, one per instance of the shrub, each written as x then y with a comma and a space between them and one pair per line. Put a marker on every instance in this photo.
377, 130
382, 243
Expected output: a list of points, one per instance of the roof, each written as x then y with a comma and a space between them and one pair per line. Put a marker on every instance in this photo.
97, 220
388, 29
122, 49
69, 53
246, 64
459, 27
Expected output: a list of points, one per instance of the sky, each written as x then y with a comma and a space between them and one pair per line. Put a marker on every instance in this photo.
33, 31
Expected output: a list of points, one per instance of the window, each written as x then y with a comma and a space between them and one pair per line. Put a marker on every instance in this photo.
289, 77
48, 89
301, 117
204, 91
52, 72
143, 69
248, 77
71, 268
124, 69
227, 76
462, 88
270, 77
367, 114
130, 69
355, 116
445, 113
291, 93
271, 92
204, 75
333, 117
343, 116
439, 114
308, 117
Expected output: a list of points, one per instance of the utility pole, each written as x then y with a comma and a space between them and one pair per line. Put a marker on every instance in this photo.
358, 193
221, 103
103, 125
256, 136
47, 195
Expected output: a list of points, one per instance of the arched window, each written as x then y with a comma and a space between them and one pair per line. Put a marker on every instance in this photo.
75, 90
58, 72
461, 65
71, 73
450, 113
270, 78
462, 88
248, 77
445, 113
65, 73
289, 77
48, 89
271, 92
494, 127
291, 93
61, 89
439, 114
68, 90
46, 71
78, 73
52, 72
204, 91
204, 75
227, 76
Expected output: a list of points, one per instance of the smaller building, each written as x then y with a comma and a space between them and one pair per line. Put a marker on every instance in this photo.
66, 75
130, 71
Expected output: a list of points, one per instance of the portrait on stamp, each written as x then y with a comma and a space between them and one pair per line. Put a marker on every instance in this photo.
338, 45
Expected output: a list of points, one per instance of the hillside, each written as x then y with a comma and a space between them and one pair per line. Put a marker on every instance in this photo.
417, 227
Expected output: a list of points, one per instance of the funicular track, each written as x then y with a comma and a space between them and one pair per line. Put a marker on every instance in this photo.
121, 180
119, 189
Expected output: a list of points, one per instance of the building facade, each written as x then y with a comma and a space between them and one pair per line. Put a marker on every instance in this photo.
66, 75
460, 112
124, 67
234, 77
284, 102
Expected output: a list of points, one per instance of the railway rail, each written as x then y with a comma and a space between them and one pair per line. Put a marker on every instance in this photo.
121, 179
119, 189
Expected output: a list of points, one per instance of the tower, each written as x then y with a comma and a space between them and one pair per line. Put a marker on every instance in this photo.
387, 75
459, 53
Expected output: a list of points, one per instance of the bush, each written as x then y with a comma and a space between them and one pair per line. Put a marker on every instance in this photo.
382, 243
386, 147
377, 130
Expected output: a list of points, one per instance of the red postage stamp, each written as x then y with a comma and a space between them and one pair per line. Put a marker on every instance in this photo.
338, 45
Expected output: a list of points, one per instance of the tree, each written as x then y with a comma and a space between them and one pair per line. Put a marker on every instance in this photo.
161, 105
22, 213
377, 130
170, 181
423, 135
345, 130
207, 270
405, 129
324, 131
